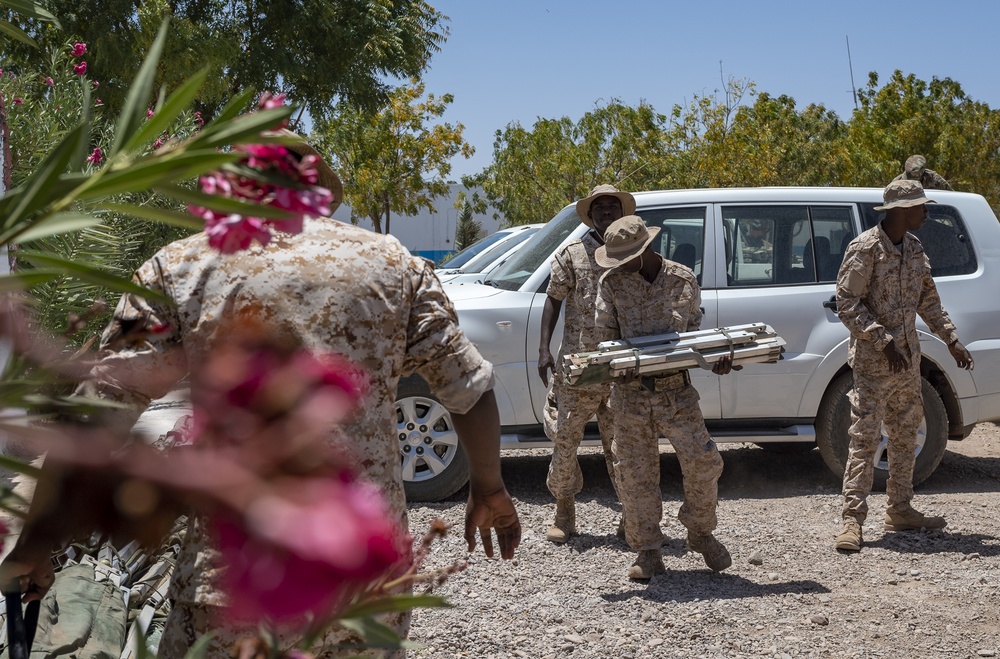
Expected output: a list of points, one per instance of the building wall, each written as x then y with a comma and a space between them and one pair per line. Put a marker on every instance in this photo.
431, 235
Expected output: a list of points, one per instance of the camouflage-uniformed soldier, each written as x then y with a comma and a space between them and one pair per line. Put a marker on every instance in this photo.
756, 247
644, 294
883, 283
568, 409
915, 169
337, 288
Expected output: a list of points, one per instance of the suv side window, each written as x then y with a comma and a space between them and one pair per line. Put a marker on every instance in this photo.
779, 245
682, 234
944, 237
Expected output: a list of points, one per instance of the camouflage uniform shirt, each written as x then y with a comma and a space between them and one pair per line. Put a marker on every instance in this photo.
880, 290
930, 179
337, 288
629, 306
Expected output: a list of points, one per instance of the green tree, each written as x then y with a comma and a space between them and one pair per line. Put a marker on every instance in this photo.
316, 51
536, 172
468, 229
395, 160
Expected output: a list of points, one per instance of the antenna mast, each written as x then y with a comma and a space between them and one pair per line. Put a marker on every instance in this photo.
854, 91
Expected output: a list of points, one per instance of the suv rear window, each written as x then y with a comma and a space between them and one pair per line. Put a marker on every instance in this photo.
776, 245
944, 238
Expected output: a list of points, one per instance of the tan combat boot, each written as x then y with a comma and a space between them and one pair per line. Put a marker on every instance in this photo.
849, 538
908, 519
648, 564
565, 523
715, 553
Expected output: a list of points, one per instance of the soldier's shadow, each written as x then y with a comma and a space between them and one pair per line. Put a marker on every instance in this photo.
937, 542
680, 586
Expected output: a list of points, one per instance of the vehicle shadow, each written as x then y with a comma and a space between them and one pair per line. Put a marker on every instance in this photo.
750, 472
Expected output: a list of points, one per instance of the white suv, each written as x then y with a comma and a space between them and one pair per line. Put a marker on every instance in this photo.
761, 254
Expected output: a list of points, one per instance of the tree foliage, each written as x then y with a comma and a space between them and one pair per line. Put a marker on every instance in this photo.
736, 136
395, 161
316, 51
467, 229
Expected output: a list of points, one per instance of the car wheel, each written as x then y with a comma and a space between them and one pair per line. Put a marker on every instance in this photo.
434, 463
834, 419
787, 448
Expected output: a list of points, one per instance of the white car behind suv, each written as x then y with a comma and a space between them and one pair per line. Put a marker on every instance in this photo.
763, 254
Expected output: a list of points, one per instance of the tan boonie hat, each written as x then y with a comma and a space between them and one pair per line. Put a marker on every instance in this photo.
903, 194
583, 206
624, 240
914, 165
327, 177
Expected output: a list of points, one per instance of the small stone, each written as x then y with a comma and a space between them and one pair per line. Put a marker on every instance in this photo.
773, 576
986, 653
914, 573
974, 555
756, 558
893, 582
655, 642
819, 619
575, 639
824, 599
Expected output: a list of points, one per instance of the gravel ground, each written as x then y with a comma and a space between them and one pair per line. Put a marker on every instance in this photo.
788, 593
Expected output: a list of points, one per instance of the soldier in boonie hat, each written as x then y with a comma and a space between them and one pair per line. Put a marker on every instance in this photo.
643, 294
915, 169
574, 279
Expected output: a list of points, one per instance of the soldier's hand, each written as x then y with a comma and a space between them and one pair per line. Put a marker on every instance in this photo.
897, 361
961, 355
545, 365
31, 574
725, 366
494, 511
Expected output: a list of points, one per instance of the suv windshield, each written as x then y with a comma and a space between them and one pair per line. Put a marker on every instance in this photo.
511, 275
484, 259
461, 258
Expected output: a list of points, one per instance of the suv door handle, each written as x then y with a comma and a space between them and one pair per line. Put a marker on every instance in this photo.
831, 303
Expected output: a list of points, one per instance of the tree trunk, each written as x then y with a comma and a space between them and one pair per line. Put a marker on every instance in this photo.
387, 213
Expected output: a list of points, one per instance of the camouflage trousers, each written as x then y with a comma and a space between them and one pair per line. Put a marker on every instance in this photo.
567, 411
188, 622
892, 398
641, 417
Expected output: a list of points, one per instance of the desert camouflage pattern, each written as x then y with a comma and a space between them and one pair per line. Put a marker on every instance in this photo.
574, 279
567, 411
930, 179
880, 291
335, 287
188, 621
629, 306
895, 399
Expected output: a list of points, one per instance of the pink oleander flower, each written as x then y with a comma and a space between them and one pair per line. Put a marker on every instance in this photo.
300, 199
308, 550
80, 69
158, 143
197, 118
149, 112
97, 157
95, 84
78, 49
49, 81
99, 102
18, 100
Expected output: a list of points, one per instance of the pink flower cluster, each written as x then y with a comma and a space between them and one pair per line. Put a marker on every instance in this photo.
78, 49
302, 198
96, 157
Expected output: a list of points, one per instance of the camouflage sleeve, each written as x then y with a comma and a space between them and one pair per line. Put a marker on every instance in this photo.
931, 308
562, 280
436, 347
852, 289
695, 313
939, 182
606, 326
142, 357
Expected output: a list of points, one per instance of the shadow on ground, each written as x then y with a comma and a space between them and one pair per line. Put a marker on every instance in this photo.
689, 586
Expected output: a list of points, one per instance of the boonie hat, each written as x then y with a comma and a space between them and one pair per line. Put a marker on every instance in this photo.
914, 164
624, 240
583, 206
902, 194
327, 177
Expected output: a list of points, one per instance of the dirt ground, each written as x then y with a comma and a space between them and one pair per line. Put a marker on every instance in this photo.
908, 594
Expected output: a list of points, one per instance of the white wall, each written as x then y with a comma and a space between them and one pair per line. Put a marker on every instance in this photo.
431, 235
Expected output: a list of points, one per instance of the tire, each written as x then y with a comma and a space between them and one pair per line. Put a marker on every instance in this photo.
834, 419
787, 448
434, 462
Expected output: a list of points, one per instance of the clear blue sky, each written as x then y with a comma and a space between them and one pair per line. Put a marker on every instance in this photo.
518, 60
